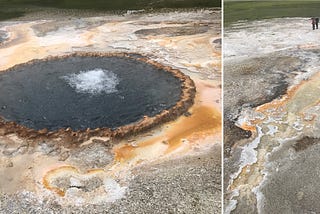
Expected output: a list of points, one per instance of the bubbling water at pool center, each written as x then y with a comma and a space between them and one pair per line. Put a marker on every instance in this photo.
97, 93
94, 81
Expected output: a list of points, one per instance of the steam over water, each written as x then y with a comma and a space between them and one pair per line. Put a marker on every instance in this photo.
94, 81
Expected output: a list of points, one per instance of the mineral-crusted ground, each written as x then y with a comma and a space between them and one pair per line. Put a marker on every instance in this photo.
174, 167
272, 90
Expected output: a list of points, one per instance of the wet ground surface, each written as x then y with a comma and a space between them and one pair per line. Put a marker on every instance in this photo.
160, 168
85, 92
267, 171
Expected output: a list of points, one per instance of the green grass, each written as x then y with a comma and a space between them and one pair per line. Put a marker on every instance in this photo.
113, 4
12, 8
256, 10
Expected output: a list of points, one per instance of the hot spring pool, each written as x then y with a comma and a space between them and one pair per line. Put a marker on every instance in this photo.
86, 91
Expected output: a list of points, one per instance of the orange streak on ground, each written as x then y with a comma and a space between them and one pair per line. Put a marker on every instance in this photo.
61, 169
94, 171
275, 104
125, 152
248, 127
204, 120
280, 102
49, 174
151, 141
128, 151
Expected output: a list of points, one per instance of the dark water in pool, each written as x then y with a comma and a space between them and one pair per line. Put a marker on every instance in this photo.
15, 8
41, 96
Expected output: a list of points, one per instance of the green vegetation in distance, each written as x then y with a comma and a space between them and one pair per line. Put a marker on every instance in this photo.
256, 10
15, 8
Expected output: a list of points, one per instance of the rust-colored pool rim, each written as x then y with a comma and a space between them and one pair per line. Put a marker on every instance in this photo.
188, 91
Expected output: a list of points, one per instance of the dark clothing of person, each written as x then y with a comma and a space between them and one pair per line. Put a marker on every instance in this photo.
313, 21
317, 22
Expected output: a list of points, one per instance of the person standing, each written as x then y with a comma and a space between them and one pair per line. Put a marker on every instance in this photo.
313, 22
317, 22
